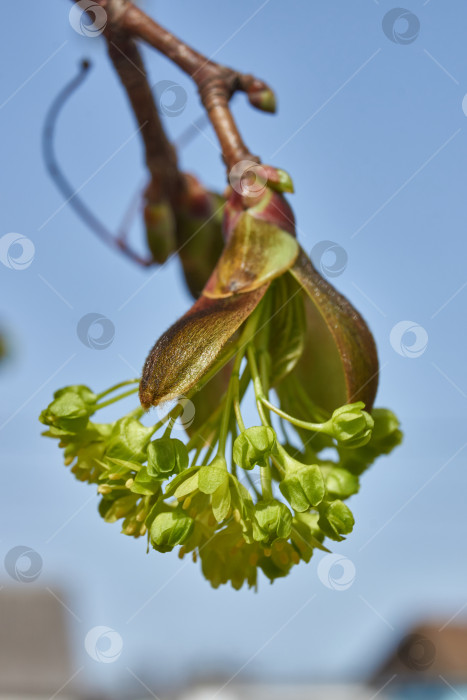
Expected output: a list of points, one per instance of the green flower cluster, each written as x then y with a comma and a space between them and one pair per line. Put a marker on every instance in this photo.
266, 506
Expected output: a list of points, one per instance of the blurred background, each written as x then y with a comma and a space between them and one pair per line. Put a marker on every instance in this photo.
372, 125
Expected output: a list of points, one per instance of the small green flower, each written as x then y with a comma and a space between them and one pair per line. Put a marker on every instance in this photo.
70, 410
225, 557
171, 528
84, 450
303, 484
386, 435
214, 480
129, 440
145, 483
253, 446
166, 457
351, 425
335, 520
273, 519
339, 482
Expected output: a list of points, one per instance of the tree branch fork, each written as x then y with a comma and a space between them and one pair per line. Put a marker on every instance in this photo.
216, 83
126, 24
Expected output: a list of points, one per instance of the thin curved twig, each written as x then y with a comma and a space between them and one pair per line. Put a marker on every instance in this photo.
64, 185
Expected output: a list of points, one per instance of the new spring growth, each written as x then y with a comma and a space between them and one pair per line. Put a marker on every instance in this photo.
241, 496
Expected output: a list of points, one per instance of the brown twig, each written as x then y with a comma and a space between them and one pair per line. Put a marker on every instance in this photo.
161, 158
216, 83
66, 188
166, 181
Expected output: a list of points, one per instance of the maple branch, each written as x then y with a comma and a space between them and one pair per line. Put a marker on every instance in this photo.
216, 83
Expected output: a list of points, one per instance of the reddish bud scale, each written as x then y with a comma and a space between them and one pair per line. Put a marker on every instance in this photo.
271, 207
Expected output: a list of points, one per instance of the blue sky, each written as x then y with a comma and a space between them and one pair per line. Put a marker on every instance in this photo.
375, 137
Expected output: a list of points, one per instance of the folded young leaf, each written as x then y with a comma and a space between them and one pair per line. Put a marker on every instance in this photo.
350, 334
255, 253
184, 353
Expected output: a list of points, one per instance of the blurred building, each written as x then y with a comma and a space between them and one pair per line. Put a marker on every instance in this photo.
429, 662
34, 646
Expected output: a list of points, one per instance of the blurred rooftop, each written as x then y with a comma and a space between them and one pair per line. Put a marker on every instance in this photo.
36, 662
